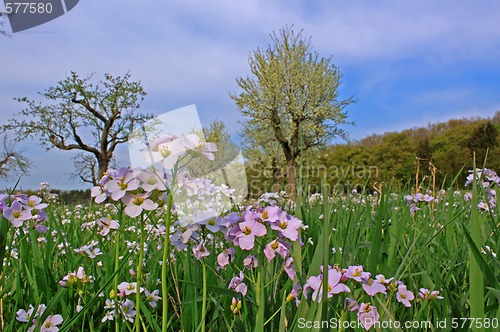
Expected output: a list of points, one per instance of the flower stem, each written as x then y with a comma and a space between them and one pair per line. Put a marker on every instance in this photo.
117, 265
139, 276
164, 266
204, 301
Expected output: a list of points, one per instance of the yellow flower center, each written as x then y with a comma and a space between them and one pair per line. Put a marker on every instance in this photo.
138, 200
165, 152
247, 230
274, 245
72, 279
283, 225
16, 214
265, 215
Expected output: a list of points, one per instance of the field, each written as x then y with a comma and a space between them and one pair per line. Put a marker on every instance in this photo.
396, 261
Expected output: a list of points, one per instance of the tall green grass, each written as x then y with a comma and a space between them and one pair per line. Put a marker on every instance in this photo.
440, 247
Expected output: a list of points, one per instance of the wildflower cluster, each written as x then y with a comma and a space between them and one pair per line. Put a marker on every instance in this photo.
414, 200
21, 208
487, 179
347, 280
50, 323
280, 199
271, 228
196, 198
120, 301
123, 185
76, 279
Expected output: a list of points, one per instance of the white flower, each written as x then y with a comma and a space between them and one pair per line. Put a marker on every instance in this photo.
106, 225
127, 310
108, 316
50, 323
152, 298
128, 288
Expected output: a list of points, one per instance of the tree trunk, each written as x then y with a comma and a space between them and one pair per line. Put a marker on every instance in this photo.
291, 189
103, 165
278, 174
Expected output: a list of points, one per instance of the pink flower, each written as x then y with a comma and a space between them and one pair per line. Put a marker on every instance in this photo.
351, 304
127, 310
404, 296
213, 224
151, 181
16, 214
373, 287
137, 203
33, 203
99, 193
356, 273
368, 315
271, 213
380, 278
289, 268
118, 188
294, 294
275, 247
238, 285
128, 288
334, 286
288, 227
166, 150
106, 225
183, 234
194, 142
152, 298
250, 261
426, 294
74, 278
200, 251
249, 230
50, 324
225, 257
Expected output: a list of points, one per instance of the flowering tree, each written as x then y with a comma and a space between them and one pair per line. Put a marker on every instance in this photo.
292, 96
80, 115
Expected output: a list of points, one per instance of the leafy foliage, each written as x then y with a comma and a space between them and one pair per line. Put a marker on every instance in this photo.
443, 148
291, 101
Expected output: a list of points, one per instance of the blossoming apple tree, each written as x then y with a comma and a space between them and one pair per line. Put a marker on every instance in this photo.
293, 95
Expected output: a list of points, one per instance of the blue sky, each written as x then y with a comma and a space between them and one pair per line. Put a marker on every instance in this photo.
407, 63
